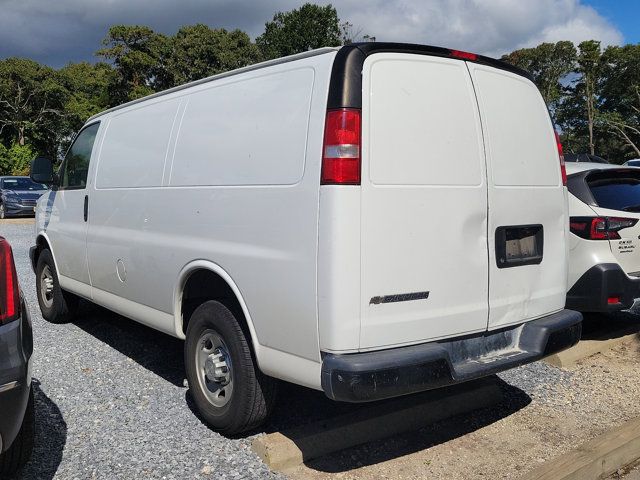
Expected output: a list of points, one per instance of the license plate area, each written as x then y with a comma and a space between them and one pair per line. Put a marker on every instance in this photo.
518, 245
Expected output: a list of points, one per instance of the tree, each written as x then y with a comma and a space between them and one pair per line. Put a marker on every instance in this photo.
620, 98
31, 100
138, 54
589, 68
308, 27
199, 51
549, 64
88, 87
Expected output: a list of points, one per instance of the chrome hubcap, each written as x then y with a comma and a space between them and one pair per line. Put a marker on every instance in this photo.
46, 286
213, 365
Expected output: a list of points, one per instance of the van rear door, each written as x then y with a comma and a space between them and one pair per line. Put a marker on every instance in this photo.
528, 218
424, 266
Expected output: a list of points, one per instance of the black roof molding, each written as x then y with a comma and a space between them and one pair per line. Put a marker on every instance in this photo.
345, 89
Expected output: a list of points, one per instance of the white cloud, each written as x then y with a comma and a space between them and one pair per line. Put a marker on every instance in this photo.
491, 27
70, 30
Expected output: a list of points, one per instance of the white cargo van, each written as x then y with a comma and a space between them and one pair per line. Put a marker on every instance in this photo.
369, 221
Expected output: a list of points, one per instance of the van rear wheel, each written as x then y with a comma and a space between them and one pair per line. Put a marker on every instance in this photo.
231, 393
56, 305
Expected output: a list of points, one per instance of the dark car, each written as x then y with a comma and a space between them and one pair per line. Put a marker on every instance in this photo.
18, 196
16, 347
583, 157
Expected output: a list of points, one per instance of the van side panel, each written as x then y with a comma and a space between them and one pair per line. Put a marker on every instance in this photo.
241, 189
424, 202
136, 144
525, 188
245, 132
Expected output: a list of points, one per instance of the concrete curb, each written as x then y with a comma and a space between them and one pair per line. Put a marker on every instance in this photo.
596, 458
587, 348
283, 451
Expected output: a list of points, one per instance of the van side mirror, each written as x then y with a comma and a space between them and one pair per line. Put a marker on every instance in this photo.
42, 171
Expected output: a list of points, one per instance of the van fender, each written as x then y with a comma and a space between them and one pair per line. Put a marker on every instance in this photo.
183, 276
272, 362
43, 234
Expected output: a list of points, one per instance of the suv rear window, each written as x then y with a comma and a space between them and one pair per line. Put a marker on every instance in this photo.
619, 191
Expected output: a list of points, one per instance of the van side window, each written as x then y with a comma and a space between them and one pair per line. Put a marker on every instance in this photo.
76, 164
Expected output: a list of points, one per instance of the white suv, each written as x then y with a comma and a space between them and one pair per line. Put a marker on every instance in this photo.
604, 260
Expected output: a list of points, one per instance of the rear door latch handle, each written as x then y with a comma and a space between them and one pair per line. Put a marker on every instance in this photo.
86, 207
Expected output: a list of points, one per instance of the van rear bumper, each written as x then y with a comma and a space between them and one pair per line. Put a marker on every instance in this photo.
601, 282
365, 377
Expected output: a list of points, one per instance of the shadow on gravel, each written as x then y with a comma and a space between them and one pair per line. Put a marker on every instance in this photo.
153, 350
50, 439
437, 433
296, 406
601, 326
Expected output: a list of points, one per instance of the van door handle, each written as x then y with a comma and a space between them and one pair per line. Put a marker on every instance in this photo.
86, 207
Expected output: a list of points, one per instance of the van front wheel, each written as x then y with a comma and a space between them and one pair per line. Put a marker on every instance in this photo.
56, 305
231, 393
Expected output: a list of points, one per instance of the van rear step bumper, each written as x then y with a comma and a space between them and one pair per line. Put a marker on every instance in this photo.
365, 377
592, 291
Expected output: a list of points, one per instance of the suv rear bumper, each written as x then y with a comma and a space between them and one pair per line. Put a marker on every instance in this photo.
601, 282
364, 377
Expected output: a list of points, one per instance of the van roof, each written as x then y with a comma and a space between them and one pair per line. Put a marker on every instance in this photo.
255, 66
345, 88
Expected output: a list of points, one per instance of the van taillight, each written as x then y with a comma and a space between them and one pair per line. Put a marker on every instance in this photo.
563, 169
600, 228
9, 294
341, 149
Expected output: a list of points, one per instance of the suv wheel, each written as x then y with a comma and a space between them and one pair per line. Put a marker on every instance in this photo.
20, 450
231, 394
56, 305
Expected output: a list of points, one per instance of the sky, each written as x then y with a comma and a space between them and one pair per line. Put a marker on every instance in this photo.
56, 32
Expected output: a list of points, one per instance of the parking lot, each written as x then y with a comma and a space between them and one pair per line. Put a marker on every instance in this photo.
111, 403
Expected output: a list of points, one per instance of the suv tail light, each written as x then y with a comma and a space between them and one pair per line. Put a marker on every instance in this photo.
600, 228
9, 293
341, 149
563, 168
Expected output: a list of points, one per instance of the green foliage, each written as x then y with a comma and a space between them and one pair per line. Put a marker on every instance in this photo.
199, 51
548, 63
5, 162
137, 52
16, 160
308, 27
31, 102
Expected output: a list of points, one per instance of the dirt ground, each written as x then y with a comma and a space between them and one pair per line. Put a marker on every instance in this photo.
599, 393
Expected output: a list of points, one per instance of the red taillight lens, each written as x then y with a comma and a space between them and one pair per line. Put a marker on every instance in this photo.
613, 300
341, 149
464, 55
9, 294
600, 228
563, 168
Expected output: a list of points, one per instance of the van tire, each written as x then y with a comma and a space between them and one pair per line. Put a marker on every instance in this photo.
253, 394
20, 450
57, 306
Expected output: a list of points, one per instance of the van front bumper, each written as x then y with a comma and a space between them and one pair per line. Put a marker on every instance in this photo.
365, 377
592, 291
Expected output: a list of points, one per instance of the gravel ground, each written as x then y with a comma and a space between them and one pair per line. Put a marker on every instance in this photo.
110, 403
